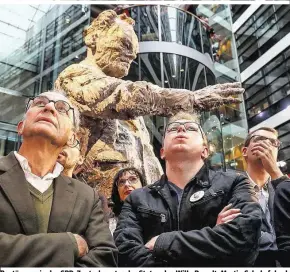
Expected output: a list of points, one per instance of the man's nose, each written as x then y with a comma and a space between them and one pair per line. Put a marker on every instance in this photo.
50, 107
181, 128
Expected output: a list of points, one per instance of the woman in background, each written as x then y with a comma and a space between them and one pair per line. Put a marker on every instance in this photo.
125, 181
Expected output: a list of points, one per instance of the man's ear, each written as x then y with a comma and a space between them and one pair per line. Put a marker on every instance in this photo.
162, 155
205, 153
20, 127
72, 137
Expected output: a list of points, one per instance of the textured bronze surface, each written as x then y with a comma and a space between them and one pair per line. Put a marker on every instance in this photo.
113, 132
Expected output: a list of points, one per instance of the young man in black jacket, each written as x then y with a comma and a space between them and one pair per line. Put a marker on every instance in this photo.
173, 221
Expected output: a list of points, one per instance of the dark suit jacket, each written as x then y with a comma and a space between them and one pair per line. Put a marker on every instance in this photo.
282, 221
268, 251
271, 190
76, 208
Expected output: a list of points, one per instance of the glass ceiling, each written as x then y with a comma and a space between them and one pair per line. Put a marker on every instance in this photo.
15, 20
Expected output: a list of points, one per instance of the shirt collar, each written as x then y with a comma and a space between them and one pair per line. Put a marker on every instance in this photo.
26, 168
265, 187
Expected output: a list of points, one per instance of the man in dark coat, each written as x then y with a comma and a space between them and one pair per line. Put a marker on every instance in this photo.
260, 152
173, 221
282, 222
47, 219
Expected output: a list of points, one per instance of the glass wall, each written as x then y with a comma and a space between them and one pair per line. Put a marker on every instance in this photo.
237, 11
230, 121
263, 29
218, 20
52, 40
9, 140
183, 28
268, 91
284, 152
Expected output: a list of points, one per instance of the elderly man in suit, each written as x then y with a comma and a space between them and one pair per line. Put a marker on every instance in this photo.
48, 219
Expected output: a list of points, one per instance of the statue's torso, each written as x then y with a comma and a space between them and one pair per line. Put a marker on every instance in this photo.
112, 144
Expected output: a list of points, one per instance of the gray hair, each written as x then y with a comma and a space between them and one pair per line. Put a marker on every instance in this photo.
75, 109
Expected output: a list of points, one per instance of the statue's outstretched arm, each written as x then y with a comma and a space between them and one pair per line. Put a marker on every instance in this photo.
108, 97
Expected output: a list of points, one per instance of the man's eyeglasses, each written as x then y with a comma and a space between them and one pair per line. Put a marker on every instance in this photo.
188, 126
74, 143
258, 138
61, 106
131, 180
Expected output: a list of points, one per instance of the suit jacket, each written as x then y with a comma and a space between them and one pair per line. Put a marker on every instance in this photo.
76, 208
271, 190
282, 222
268, 250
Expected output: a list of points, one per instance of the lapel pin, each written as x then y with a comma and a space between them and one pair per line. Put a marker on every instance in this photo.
196, 196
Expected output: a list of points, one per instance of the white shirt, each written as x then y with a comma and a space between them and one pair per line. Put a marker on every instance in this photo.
40, 183
263, 193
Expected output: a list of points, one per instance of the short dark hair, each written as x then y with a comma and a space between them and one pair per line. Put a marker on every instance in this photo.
249, 136
115, 197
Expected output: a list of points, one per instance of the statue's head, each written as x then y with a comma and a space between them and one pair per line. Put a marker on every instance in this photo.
113, 42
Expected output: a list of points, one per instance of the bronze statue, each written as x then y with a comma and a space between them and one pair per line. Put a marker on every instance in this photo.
113, 132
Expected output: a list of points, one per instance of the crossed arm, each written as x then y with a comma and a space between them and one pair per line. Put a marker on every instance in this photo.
59, 249
239, 236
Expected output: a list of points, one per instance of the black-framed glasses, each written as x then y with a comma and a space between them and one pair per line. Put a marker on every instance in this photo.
41, 101
131, 180
258, 138
74, 143
188, 126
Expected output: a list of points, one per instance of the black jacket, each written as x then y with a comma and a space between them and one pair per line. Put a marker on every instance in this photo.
192, 239
282, 221
267, 250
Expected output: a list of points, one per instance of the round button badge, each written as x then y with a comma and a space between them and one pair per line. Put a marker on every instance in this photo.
196, 196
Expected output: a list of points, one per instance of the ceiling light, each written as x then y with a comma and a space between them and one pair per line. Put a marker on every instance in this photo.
173, 76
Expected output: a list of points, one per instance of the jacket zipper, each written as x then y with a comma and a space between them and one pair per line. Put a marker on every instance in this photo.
178, 209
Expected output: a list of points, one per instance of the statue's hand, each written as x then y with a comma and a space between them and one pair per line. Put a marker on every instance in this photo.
214, 96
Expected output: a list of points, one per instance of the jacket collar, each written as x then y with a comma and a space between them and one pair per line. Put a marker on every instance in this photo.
7, 162
13, 184
202, 179
15, 187
63, 204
